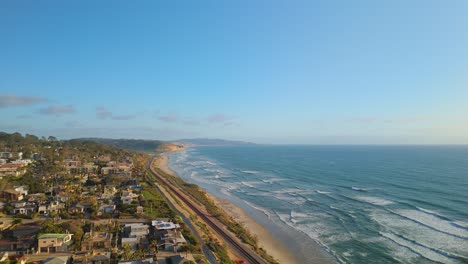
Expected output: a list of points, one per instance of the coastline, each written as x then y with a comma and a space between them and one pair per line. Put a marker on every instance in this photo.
266, 239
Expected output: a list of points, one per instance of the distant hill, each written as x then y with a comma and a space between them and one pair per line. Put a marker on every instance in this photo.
136, 144
212, 142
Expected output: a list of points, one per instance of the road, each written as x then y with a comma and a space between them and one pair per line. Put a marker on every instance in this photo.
242, 250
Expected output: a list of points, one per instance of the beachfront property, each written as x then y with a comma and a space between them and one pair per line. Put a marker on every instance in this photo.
160, 225
168, 236
135, 235
52, 243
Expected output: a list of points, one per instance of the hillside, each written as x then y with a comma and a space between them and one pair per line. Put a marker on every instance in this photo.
135, 144
212, 142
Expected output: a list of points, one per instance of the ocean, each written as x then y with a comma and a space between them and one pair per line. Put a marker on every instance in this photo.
361, 204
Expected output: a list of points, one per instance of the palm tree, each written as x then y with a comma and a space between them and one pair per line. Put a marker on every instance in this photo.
154, 244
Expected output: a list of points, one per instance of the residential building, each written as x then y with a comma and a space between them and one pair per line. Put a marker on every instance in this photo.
12, 170
160, 225
51, 207
100, 259
22, 189
171, 240
11, 155
12, 195
96, 240
127, 197
51, 243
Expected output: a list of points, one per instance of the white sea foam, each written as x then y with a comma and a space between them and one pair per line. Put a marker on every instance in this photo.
359, 189
259, 208
316, 229
373, 200
251, 184
433, 221
430, 212
423, 251
250, 172
290, 199
422, 235
273, 180
296, 214
323, 192
460, 224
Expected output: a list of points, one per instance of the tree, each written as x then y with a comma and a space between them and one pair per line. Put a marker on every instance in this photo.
127, 251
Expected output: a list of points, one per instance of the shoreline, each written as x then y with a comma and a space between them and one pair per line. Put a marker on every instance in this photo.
267, 239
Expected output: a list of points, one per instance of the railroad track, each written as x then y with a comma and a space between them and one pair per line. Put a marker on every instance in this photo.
250, 256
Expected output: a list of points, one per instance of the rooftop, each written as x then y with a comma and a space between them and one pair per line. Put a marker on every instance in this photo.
53, 236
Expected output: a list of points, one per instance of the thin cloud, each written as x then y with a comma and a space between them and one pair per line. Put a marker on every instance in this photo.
219, 119
103, 113
123, 117
169, 118
396, 120
23, 117
11, 100
216, 119
57, 110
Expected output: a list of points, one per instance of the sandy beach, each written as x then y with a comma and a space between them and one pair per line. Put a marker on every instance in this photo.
266, 240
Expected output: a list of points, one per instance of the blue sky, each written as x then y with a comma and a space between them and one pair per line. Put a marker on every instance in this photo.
314, 72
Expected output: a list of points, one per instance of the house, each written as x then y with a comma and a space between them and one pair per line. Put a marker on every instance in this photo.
12, 170
11, 155
51, 207
22, 189
81, 208
109, 192
21, 239
171, 240
132, 241
87, 168
71, 163
96, 240
139, 261
127, 197
100, 259
107, 208
58, 260
160, 225
12, 195
24, 208
136, 230
24, 162
25, 230
178, 259
51, 243
139, 210
135, 234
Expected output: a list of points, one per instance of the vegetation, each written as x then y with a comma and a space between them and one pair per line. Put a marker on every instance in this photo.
131, 144
200, 196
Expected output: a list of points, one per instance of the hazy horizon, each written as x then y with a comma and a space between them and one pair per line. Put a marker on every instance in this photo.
321, 72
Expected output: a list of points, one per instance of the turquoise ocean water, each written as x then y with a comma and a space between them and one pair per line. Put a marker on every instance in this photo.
361, 204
